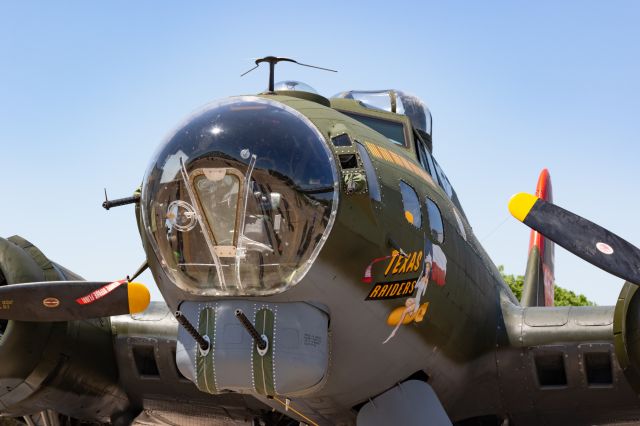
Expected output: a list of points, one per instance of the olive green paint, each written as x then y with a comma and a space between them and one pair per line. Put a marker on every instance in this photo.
205, 363
533, 287
263, 368
471, 342
462, 316
50, 274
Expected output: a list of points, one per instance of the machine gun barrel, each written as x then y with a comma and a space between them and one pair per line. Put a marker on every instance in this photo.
107, 204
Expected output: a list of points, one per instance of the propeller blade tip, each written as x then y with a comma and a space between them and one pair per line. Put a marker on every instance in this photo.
520, 205
139, 297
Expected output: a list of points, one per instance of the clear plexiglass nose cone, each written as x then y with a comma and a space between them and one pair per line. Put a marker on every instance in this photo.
240, 199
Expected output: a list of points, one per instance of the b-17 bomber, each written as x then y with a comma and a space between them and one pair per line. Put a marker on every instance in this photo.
318, 268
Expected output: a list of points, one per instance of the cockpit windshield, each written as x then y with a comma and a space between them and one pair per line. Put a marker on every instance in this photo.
392, 130
394, 101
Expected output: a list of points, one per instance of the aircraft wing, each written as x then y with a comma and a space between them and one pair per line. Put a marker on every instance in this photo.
560, 364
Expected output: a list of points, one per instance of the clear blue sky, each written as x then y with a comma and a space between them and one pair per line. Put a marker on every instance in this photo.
89, 89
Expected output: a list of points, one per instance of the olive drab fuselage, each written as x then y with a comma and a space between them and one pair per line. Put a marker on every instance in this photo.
407, 288
323, 267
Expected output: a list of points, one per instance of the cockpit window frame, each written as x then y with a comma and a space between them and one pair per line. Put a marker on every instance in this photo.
194, 174
405, 129
422, 150
444, 180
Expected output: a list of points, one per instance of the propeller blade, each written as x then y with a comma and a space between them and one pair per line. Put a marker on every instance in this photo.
581, 237
71, 300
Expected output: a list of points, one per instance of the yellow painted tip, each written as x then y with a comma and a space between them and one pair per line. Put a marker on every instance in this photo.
139, 297
520, 205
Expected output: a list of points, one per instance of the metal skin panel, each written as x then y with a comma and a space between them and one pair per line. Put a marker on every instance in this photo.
410, 403
231, 346
552, 317
541, 325
575, 403
205, 364
169, 395
302, 337
262, 364
296, 359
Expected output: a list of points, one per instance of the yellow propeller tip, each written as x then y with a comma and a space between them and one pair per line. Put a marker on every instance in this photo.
520, 205
139, 297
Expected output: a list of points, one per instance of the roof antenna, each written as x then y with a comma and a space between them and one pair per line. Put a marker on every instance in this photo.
272, 61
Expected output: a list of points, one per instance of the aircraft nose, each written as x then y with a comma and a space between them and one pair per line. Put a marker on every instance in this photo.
240, 199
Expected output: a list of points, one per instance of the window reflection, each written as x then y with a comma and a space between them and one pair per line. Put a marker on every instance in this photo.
392, 130
411, 204
219, 200
425, 159
444, 182
435, 222
244, 210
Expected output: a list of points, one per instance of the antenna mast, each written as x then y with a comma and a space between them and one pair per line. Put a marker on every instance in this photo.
272, 61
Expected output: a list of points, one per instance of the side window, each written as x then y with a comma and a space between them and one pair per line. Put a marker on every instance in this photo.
463, 233
392, 130
444, 182
430, 160
435, 222
372, 179
422, 157
425, 158
411, 204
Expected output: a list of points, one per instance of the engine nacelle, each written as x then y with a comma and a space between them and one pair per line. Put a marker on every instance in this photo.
65, 366
626, 333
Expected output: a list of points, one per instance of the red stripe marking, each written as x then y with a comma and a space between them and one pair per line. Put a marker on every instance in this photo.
544, 191
99, 293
